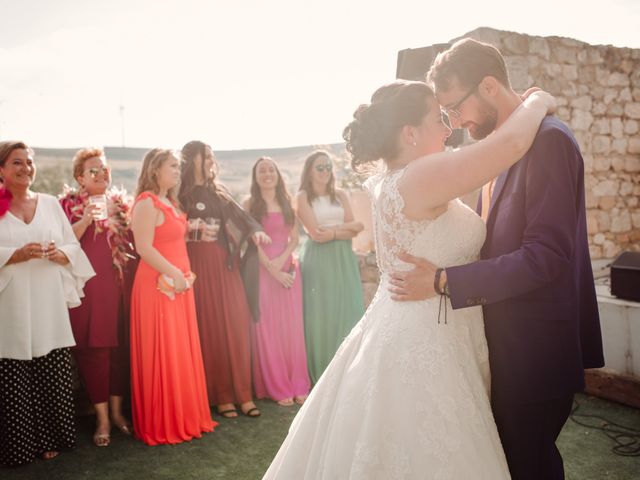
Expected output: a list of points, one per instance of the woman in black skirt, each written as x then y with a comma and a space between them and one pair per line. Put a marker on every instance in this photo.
42, 272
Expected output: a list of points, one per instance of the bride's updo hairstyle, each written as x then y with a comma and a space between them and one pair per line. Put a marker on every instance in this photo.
373, 133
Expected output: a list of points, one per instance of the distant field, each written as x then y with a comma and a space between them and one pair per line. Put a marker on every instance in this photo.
235, 165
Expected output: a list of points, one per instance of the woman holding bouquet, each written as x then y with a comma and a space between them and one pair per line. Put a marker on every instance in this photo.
168, 390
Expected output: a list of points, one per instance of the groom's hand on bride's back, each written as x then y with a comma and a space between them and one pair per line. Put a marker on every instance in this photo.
415, 284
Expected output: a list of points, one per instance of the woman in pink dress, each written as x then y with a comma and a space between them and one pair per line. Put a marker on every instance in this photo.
280, 359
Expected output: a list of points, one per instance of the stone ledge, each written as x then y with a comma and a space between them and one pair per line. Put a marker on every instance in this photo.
608, 384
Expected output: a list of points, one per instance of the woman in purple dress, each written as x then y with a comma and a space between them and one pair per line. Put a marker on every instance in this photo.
98, 324
280, 359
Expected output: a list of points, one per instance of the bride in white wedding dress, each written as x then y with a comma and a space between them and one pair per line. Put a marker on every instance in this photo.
407, 394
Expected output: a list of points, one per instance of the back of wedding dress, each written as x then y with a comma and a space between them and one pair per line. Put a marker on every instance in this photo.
453, 238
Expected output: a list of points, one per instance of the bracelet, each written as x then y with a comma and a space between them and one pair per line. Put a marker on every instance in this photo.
436, 281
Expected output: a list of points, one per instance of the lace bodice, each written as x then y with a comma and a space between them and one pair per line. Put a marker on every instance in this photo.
453, 238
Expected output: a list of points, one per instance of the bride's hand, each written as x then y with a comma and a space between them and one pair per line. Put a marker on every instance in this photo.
535, 94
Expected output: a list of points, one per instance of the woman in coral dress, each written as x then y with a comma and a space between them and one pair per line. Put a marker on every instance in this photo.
279, 357
168, 390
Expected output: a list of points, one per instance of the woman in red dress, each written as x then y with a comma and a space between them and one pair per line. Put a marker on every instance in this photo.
224, 316
98, 324
168, 390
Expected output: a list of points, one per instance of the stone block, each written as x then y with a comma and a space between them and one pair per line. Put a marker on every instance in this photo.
621, 222
600, 125
610, 249
634, 144
635, 218
625, 95
626, 188
584, 102
617, 127
601, 163
630, 127
610, 94
595, 252
516, 43
581, 120
635, 77
563, 54
607, 203
598, 239
570, 72
539, 46
632, 165
615, 110
632, 110
617, 79
606, 188
632, 202
617, 163
619, 145
591, 201
635, 93
592, 222
604, 220
599, 108
601, 144
626, 66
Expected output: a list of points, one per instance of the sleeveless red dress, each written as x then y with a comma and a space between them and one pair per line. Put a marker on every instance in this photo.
168, 389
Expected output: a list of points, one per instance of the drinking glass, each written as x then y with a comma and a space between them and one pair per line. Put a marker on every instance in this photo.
195, 225
100, 202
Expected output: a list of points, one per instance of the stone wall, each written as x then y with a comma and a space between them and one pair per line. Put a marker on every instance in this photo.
598, 90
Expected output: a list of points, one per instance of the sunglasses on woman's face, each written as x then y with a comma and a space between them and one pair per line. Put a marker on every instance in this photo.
324, 168
95, 171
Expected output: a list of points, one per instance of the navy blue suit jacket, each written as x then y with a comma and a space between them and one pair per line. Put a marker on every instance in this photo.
534, 278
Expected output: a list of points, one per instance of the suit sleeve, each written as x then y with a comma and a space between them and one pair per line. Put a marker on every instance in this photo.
550, 208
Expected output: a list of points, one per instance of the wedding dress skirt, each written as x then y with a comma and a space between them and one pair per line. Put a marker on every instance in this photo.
406, 395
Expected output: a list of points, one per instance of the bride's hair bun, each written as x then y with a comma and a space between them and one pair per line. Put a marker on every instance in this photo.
373, 132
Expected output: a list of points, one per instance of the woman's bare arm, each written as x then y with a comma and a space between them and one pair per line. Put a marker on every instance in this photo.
434, 180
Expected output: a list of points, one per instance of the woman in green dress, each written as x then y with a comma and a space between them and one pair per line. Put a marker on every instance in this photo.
332, 290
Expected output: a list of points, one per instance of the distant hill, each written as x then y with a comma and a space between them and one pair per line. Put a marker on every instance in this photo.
235, 165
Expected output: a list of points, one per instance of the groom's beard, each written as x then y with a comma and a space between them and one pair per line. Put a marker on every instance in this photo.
488, 123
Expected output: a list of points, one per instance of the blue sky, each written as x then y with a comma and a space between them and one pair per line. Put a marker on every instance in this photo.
245, 74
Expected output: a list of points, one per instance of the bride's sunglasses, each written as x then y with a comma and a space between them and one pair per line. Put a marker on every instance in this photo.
324, 168
95, 171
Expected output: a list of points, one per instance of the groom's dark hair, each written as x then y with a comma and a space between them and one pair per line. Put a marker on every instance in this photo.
469, 61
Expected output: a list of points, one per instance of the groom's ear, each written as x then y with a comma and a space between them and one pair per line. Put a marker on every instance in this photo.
490, 87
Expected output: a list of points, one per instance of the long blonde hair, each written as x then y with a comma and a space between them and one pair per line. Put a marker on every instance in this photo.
148, 179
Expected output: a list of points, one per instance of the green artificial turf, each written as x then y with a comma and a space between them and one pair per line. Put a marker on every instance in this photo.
242, 449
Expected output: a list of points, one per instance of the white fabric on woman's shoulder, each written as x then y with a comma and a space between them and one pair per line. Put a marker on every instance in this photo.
35, 295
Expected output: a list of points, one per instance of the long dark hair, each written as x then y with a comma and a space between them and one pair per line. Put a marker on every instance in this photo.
257, 205
306, 184
188, 173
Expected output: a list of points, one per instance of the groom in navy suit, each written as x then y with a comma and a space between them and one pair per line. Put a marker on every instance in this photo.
534, 280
